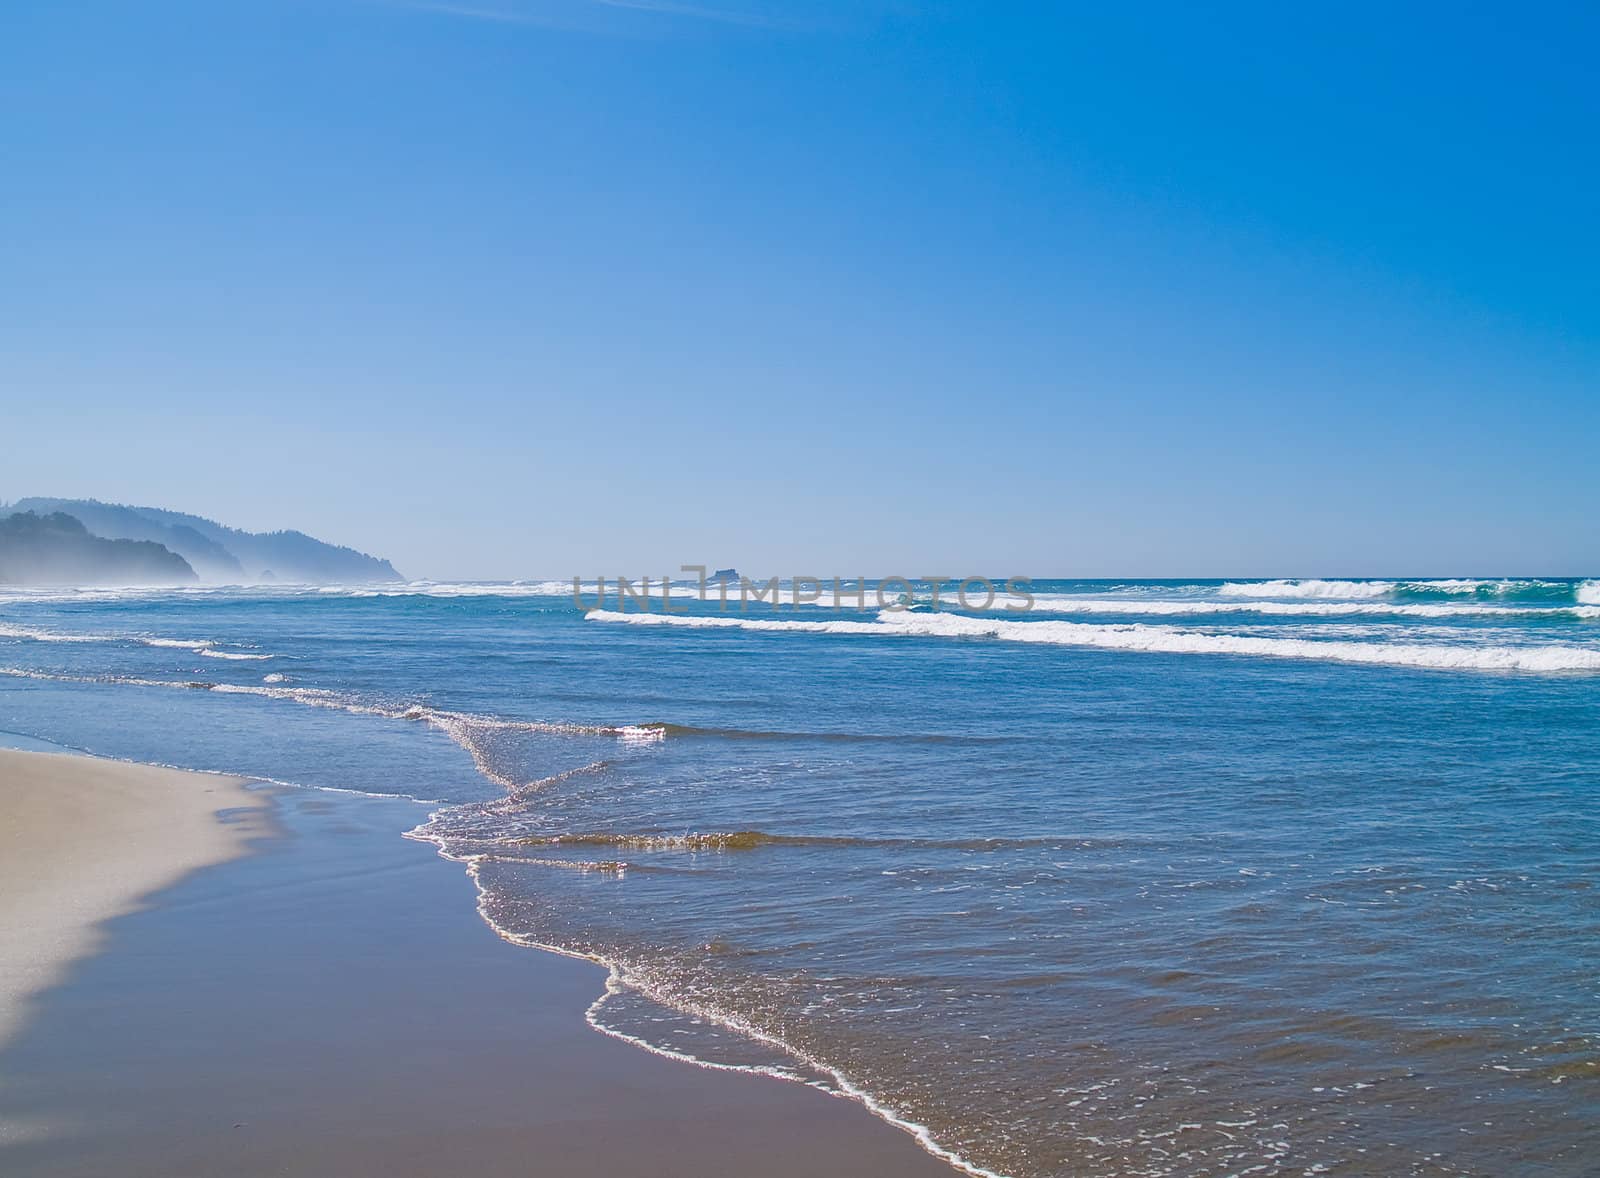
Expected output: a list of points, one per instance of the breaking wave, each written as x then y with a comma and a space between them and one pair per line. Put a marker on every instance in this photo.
1152, 639
455, 589
202, 646
469, 729
473, 733
1307, 607
750, 840
793, 1062
1447, 588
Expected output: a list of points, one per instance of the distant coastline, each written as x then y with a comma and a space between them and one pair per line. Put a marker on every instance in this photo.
45, 541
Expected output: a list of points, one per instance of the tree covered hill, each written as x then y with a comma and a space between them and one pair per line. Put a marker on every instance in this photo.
56, 549
219, 553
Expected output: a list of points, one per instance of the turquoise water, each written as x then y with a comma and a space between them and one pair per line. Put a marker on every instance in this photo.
1152, 878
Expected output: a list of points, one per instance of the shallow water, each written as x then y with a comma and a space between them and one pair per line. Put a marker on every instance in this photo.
1156, 878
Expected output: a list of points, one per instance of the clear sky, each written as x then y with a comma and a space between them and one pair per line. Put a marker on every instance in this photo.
534, 287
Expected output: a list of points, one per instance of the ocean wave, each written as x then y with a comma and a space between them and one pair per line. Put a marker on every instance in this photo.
1588, 593
457, 589
467, 728
1450, 587
478, 736
518, 792
471, 732
750, 840
675, 731
551, 589
735, 840
474, 734
624, 979
1309, 588
204, 646
104, 594
1059, 603
1151, 639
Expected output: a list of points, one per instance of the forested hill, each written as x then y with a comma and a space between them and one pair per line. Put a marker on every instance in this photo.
218, 553
56, 549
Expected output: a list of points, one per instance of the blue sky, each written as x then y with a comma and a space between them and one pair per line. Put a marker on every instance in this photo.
535, 287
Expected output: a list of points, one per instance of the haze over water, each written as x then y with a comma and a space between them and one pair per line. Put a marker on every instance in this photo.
1156, 878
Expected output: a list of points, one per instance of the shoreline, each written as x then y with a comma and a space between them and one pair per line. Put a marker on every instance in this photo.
331, 1002
842, 1087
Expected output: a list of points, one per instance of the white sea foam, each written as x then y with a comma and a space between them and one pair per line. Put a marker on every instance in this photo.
1309, 588
466, 729
202, 646
1139, 636
1067, 604
462, 589
588, 589
620, 978
1589, 593
1006, 604
1360, 590
148, 592
37, 634
457, 725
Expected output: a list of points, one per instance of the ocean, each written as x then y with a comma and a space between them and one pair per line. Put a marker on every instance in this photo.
1151, 878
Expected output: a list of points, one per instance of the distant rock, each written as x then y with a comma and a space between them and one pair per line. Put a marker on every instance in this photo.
56, 549
219, 553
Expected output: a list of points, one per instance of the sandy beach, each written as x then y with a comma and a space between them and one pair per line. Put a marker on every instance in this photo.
85, 840
329, 1004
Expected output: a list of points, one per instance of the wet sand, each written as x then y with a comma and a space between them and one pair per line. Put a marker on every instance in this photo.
84, 840
332, 1005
